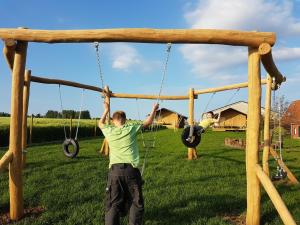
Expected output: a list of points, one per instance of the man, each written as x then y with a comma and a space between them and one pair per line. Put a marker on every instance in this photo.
124, 185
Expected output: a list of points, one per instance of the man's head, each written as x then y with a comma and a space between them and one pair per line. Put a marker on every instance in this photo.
119, 118
209, 114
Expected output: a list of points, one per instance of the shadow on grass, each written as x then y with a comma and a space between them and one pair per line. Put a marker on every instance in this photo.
186, 211
227, 158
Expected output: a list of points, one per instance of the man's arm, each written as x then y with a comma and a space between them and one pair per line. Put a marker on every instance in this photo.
150, 118
104, 114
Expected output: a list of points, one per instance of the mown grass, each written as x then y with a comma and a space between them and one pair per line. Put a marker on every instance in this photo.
176, 191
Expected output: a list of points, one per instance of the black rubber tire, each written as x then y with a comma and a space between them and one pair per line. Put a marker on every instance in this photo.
185, 134
66, 145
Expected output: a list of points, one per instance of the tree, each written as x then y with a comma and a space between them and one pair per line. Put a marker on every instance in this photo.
52, 114
69, 113
279, 108
4, 114
85, 114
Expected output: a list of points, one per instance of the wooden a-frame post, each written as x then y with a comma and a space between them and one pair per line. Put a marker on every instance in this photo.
191, 151
267, 136
15, 136
26, 93
252, 146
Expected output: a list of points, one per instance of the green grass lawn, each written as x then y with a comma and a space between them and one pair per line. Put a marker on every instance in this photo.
176, 191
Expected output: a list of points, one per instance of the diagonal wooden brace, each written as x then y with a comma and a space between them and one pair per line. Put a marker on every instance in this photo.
290, 175
5, 160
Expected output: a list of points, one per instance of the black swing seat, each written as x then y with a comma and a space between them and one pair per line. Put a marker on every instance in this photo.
280, 174
75, 144
191, 142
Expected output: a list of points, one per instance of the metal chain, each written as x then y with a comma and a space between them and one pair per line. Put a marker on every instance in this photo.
234, 94
169, 45
168, 51
97, 47
274, 119
208, 103
146, 147
139, 118
80, 110
154, 128
62, 111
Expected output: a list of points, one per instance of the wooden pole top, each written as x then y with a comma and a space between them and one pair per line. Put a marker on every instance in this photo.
142, 35
265, 51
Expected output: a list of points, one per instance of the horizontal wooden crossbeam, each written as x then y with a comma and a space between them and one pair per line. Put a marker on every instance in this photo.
142, 35
226, 88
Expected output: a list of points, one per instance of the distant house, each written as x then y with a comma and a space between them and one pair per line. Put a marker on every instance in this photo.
170, 119
233, 116
291, 119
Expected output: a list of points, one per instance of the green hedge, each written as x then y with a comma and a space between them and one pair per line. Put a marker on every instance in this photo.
51, 133
54, 133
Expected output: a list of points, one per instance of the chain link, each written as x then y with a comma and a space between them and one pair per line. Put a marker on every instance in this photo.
62, 111
97, 47
169, 45
154, 128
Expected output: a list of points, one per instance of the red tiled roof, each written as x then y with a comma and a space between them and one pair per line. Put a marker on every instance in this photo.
292, 114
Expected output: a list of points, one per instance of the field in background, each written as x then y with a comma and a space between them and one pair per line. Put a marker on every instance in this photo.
49, 130
177, 191
44, 122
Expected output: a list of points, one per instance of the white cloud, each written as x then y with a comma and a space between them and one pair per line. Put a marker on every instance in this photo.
261, 15
126, 57
285, 53
217, 61
208, 60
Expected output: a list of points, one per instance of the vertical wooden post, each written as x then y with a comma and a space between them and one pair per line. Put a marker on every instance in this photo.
30, 129
267, 137
26, 92
191, 119
15, 135
252, 145
107, 100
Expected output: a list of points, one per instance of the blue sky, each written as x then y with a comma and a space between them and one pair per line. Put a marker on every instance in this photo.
137, 68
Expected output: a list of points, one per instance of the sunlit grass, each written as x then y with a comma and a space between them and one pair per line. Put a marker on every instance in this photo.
176, 191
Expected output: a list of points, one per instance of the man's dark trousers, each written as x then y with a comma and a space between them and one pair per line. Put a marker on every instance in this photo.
124, 194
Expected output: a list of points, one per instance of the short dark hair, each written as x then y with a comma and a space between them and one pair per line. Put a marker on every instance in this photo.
210, 112
119, 115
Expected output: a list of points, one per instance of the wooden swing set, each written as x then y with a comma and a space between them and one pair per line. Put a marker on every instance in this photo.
259, 50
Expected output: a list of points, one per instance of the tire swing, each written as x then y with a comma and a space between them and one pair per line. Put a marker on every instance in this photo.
191, 135
70, 142
70, 145
191, 141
